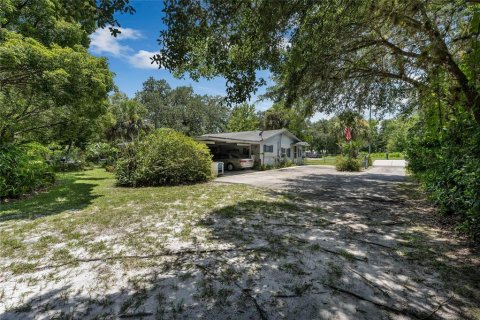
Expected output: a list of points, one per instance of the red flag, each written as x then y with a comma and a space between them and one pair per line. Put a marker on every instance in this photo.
348, 133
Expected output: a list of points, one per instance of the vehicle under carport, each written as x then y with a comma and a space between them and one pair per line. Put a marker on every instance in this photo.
268, 147
235, 156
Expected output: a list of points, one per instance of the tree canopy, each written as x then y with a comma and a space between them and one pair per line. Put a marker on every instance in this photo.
51, 88
182, 109
330, 54
243, 118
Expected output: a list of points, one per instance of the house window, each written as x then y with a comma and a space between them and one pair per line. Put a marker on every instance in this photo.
288, 152
267, 148
283, 152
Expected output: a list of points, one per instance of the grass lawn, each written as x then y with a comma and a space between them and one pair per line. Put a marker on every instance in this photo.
86, 215
327, 161
330, 160
391, 156
87, 237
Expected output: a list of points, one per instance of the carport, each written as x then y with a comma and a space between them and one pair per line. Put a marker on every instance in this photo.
219, 145
269, 147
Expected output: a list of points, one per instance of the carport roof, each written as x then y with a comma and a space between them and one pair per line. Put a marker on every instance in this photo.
246, 136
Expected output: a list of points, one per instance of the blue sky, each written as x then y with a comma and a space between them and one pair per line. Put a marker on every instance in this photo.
128, 54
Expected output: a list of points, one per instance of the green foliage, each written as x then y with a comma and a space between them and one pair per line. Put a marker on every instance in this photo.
279, 117
362, 156
182, 109
125, 119
165, 157
327, 55
347, 164
23, 169
392, 134
65, 159
391, 156
62, 22
101, 153
446, 161
51, 88
49, 92
243, 118
278, 165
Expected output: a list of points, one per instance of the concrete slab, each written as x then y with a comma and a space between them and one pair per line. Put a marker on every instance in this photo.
389, 163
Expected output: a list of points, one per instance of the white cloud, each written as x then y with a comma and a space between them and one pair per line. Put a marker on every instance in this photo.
141, 60
103, 42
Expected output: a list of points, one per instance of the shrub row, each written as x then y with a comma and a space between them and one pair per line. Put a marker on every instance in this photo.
447, 163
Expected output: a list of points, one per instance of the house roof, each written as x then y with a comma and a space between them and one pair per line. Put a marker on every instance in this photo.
247, 136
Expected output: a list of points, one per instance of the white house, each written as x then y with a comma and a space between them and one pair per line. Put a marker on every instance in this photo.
269, 146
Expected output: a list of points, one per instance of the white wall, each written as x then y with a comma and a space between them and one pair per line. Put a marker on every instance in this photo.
279, 141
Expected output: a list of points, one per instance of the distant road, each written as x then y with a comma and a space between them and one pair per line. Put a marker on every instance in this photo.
389, 163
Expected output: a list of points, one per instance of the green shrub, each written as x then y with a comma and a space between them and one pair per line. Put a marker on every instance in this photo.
265, 167
347, 164
165, 157
447, 163
70, 159
23, 169
101, 153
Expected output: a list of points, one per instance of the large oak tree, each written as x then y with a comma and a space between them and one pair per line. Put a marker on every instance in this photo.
328, 54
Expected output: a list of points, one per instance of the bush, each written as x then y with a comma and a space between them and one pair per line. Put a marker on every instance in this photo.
447, 164
66, 160
101, 153
267, 166
23, 169
165, 157
347, 164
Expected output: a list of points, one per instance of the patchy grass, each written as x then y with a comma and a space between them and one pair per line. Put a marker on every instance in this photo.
90, 249
86, 214
325, 161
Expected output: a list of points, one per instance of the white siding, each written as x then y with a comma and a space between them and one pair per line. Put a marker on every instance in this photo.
278, 142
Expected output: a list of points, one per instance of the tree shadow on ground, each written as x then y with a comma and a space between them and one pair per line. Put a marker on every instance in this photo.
69, 193
353, 247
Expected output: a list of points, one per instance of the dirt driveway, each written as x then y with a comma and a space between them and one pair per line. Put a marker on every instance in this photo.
314, 177
378, 254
